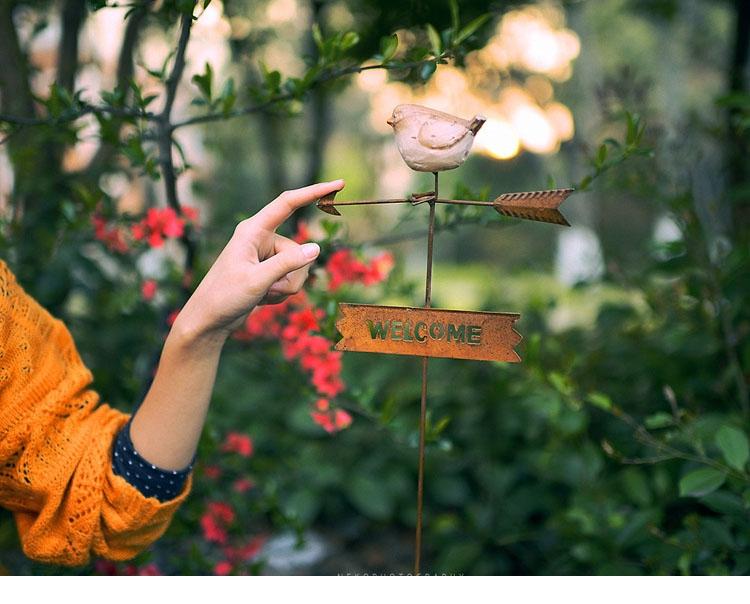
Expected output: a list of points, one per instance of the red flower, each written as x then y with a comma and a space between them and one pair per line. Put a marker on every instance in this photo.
326, 376
212, 529
238, 443
379, 268
148, 289
111, 236
247, 551
222, 511
191, 214
303, 232
223, 568
215, 521
323, 420
106, 567
150, 570
301, 321
172, 317
212, 472
158, 224
242, 485
342, 419
322, 404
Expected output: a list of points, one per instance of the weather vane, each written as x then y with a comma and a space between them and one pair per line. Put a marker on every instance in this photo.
433, 141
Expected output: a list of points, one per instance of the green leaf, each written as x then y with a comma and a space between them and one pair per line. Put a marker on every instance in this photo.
601, 155
388, 47
734, 446
701, 482
435, 42
317, 36
427, 70
455, 19
228, 96
633, 122
600, 400
368, 495
471, 28
659, 420
204, 82
351, 38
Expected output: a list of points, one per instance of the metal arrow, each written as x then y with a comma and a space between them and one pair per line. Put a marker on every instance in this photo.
540, 206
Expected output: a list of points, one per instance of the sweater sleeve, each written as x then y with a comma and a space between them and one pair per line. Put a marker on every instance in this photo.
56, 446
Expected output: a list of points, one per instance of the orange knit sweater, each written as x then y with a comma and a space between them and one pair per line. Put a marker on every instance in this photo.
56, 446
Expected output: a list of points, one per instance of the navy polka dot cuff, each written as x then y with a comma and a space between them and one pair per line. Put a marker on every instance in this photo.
143, 475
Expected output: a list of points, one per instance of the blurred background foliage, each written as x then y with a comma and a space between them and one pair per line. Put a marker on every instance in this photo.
618, 446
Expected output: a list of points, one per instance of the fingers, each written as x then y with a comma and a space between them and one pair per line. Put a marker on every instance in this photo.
288, 260
292, 282
276, 212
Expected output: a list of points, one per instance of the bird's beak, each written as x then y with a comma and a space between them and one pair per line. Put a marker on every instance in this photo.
390, 122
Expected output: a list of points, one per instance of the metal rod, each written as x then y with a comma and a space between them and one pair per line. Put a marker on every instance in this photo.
369, 202
423, 404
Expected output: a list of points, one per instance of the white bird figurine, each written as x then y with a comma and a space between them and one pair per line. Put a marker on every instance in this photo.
430, 140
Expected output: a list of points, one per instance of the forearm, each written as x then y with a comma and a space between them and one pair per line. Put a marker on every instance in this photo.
167, 426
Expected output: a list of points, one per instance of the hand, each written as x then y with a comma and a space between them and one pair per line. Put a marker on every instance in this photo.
257, 266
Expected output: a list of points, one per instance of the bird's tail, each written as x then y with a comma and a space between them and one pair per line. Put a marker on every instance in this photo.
476, 124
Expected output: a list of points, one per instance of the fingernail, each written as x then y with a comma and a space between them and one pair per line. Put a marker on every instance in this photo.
338, 181
310, 250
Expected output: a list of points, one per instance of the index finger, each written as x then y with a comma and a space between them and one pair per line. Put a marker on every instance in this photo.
271, 216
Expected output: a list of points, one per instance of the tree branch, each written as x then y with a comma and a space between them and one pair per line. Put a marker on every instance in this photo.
288, 96
124, 74
15, 92
73, 13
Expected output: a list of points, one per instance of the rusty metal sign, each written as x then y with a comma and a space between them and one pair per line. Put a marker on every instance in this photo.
428, 332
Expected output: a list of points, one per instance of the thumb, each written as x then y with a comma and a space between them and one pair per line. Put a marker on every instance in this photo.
277, 266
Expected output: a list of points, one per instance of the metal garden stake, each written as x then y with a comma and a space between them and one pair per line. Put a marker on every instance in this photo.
433, 141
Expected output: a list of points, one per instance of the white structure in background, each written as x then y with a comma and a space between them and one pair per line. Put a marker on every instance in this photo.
579, 256
666, 230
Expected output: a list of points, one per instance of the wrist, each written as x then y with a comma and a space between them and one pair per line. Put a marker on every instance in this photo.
189, 334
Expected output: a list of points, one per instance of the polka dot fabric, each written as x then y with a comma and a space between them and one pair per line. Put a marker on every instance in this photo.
56, 447
146, 477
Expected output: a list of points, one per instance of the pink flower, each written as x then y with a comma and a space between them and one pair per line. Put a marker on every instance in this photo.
148, 289
238, 443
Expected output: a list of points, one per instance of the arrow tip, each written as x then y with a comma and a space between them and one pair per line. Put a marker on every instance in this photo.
326, 202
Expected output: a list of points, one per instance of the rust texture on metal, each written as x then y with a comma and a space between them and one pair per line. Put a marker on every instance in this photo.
540, 206
534, 205
428, 332
423, 401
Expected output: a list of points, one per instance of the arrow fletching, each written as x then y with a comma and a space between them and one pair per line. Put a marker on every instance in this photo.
534, 205
326, 204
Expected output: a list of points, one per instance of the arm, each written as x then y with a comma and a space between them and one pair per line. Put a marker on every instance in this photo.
257, 266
